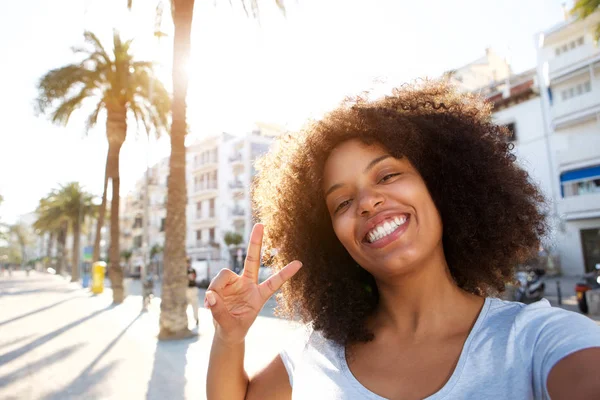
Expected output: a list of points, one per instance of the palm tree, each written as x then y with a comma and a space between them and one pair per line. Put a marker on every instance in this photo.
76, 205
173, 319
51, 220
584, 8
63, 208
119, 85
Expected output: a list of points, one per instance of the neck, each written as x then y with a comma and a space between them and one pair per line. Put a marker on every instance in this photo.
424, 301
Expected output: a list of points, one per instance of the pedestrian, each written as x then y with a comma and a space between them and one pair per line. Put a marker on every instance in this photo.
192, 290
409, 214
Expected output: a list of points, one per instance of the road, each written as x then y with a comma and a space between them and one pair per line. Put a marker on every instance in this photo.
57, 341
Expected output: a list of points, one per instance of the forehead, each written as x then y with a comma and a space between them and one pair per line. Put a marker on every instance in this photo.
349, 157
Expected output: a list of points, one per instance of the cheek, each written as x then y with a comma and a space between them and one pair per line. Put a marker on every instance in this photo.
343, 230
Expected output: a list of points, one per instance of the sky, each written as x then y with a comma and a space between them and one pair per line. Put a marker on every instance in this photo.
277, 69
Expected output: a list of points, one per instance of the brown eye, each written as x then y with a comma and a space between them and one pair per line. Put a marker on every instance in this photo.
388, 176
342, 205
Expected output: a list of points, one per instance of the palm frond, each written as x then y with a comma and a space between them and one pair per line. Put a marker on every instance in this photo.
57, 83
92, 39
584, 8
93, 117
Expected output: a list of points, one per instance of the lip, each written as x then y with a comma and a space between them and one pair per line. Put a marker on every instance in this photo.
384, 241
379, 218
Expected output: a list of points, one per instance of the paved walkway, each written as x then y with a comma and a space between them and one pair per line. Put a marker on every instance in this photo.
57, 341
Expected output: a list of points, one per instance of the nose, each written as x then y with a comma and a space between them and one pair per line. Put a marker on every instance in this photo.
369, 202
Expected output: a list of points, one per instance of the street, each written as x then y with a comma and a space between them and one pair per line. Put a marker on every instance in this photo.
57, 341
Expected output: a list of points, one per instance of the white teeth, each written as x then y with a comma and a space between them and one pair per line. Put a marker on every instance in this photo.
385, 229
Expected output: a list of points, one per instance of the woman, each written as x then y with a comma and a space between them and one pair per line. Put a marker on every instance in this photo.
409, 214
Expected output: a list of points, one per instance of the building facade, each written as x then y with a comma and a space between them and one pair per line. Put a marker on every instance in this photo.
220, 173
569, 70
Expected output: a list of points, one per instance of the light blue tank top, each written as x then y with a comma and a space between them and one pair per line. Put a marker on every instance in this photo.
508, 355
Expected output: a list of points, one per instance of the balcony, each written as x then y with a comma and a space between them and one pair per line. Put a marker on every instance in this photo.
236, 185
573, 60
205, 244
235, 158
575, 109
208, 163
582, 206
238, 212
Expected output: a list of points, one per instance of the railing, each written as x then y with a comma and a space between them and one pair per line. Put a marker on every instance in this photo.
238, 211
236, 157
212, 185
236, 184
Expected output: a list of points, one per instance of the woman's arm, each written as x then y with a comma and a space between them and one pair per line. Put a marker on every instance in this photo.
228, 380
576, 377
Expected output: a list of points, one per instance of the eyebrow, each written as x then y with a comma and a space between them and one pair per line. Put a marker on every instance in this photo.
367, 169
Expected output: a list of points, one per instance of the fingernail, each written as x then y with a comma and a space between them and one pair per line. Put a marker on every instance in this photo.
211, 298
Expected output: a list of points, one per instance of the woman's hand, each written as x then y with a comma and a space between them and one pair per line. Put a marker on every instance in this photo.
235, 300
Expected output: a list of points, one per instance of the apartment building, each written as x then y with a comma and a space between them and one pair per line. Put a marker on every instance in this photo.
220, 172
569, 69
132, 215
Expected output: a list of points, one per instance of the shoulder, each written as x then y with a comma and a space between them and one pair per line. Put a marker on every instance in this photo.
307, 347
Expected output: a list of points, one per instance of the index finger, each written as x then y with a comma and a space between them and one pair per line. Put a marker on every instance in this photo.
252, 262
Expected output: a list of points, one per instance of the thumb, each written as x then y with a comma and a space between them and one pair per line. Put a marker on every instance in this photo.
215, 303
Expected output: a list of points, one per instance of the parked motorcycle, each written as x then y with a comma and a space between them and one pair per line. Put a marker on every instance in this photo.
531, 287
589, 281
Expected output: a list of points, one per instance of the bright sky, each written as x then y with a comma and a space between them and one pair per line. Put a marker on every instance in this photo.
283, 70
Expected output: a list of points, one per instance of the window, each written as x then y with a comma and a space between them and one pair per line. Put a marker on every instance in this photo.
138, 222
580, 182
211, 208
198, 235
569, 46
137, 242
512, 128
576, 90
580, 41
199, 209
162, 224
211, 235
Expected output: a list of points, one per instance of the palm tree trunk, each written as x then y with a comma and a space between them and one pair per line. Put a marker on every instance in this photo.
101, 215
116, 129
49, 249
173, 318
75, 255
62, 239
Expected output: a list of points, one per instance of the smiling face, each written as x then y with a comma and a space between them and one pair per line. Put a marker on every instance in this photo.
380, 209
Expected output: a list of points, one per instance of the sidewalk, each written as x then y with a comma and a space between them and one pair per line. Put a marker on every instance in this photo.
58, 341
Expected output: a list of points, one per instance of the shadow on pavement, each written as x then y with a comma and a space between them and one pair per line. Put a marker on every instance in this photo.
48, 289
168, 372
8, 321
12, 355
86, 381
33, 367
14, 341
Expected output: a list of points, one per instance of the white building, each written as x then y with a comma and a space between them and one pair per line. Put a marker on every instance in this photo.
569, 68
220, 172
484, 71
132, 215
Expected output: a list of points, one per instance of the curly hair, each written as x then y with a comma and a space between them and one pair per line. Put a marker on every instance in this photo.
493, 215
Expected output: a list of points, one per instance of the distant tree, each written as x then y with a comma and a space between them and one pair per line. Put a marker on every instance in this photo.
583, 9
233, 239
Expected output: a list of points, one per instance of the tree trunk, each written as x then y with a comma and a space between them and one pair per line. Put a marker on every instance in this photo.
49, 249
75, 255
101, 215
116, 129
173, 318
61, 244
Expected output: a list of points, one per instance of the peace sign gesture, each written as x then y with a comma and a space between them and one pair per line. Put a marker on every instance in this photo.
235, 300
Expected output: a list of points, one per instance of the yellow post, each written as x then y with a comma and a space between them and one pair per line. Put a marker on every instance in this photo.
98, 271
